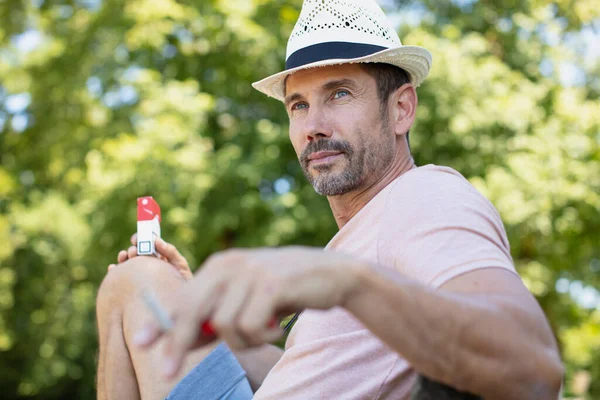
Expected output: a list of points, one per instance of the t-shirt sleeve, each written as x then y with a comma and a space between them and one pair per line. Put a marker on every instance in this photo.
438, 226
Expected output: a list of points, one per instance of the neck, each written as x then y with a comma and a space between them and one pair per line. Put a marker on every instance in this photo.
347, 205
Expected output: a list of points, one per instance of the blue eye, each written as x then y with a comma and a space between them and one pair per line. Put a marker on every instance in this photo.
340, 93
299, 106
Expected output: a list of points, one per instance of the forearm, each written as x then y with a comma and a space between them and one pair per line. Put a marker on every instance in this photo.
257, 362
467, 342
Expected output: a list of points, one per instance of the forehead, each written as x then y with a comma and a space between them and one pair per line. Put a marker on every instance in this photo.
315, 77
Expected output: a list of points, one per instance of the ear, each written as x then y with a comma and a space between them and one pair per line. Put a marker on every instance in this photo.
403, 106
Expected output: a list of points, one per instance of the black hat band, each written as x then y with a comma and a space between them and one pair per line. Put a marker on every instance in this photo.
330, 51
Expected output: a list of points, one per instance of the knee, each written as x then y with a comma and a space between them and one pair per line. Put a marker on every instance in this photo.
127, 280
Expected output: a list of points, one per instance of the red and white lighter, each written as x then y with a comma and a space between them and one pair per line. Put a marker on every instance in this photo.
148, 225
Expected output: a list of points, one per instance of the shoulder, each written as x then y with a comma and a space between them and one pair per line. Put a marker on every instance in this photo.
433, 180
435, 189
436, 225
432, 201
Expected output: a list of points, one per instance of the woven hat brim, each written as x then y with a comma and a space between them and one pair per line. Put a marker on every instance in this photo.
415, 60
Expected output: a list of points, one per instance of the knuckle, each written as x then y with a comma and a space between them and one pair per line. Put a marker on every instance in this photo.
222, 324
249, 328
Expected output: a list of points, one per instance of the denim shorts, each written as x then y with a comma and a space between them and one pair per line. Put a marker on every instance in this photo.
218, 377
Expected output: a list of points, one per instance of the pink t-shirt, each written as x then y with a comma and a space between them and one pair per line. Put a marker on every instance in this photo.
431, 225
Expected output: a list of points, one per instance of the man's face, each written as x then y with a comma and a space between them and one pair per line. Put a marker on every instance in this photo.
336, 128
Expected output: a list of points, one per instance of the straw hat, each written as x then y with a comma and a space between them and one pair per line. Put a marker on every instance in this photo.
330, 32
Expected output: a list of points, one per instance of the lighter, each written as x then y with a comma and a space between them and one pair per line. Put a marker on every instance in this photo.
148, 225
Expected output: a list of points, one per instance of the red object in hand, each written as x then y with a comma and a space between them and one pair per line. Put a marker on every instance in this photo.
208, 330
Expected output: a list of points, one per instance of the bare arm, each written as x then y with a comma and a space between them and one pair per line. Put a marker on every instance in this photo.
258, 362
482, 332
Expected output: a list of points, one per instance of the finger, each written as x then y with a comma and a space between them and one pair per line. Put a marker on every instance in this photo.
122, 256
272, 334
257, 319
173, 257
111, 266
148, 335
170, 252
184, 336
132, 252
194, 305
133, 239
224, 319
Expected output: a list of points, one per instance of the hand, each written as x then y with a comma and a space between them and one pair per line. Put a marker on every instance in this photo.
241, 291
166, 252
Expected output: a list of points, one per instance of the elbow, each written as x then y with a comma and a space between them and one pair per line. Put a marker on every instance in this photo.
543, 379
528, 377
551, 378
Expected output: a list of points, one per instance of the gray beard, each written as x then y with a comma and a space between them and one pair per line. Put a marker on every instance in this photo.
363, 164
335, 184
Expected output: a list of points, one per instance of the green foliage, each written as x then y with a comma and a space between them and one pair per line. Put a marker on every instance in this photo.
124, 98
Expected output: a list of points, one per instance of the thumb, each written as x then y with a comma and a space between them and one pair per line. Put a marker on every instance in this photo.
172, 255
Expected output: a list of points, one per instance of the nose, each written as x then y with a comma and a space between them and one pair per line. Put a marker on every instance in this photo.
318, 125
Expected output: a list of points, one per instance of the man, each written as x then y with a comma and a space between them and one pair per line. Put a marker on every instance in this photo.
419, 277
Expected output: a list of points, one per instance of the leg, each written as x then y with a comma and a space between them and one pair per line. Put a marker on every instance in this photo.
124, 372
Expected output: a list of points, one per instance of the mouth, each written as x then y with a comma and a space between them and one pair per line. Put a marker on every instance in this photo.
323, 157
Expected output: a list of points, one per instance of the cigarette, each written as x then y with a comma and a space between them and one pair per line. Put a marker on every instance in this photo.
160, 315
